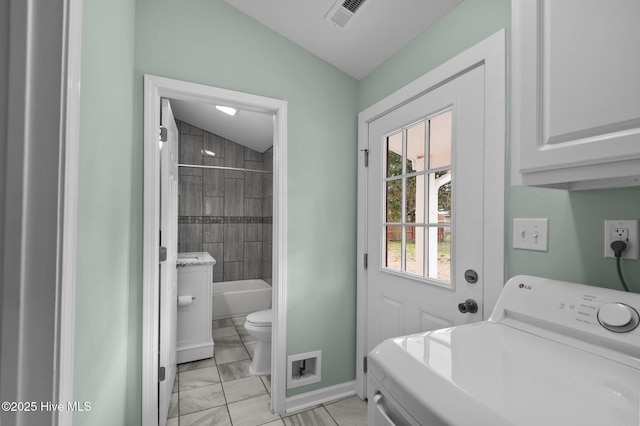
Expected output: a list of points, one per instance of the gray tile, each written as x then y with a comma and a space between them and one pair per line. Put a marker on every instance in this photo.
233, 271
224, 332
199, 399
233, 154
245, 388
253, 231
214, 143
234, 370
267, 382
225, 356
213, 206
251, 348
226, 343
253, 207
315, 417
175, 383
350, 411
267, 232
278, 422
173, 422
189, 237
267, 186
188, 129
242, 331
239, 321
253, 411
190, 203
233, 242
252, 185
216, 250
198, 378
212, 233
252, 155
253, 165
248, 339
267, 207
173, 406
213, 179
218, 416
252, 260
194, 365
234, 197
221, 323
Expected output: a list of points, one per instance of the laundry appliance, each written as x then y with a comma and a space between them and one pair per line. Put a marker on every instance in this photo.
552, 353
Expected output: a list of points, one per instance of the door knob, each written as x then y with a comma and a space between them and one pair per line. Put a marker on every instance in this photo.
468, 307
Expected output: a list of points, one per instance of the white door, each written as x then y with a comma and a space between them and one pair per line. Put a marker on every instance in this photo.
168, 273
425, 211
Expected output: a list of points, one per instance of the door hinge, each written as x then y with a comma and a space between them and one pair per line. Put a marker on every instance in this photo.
364, 364
366, 260
163, 134
366, 157
161, 374
163, 254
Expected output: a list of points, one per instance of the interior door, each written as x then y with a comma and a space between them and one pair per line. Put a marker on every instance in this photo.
425, 211
168, 273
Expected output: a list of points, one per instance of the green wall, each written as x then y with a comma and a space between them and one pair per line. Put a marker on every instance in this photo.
107, 364
576, 219
211, 43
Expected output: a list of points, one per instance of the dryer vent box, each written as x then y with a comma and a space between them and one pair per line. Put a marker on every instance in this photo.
303, 369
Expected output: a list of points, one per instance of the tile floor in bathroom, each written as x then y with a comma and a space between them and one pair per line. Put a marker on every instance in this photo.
220, 391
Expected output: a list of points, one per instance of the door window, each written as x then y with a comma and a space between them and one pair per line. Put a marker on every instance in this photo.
417, 185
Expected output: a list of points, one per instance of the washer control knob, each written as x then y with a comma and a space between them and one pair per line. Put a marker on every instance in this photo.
618, 317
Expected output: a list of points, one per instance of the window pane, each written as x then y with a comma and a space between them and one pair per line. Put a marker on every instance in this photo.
440, 140
393, 247
439, 253
394, 201
440, 197
410, 204
414, 250
415, 148
394, 154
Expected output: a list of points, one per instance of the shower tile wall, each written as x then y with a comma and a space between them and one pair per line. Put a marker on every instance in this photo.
224, 212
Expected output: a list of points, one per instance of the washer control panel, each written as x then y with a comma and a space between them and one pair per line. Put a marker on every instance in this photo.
572, 313
618, 317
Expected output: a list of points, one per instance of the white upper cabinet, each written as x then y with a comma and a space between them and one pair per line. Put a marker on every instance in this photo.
576, 93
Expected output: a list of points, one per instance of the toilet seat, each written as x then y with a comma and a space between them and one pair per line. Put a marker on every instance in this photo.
261, 318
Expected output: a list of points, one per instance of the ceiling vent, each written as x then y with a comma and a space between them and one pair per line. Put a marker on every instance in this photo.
343, 13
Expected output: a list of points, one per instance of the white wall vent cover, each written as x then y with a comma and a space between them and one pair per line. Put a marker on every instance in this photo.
343, 13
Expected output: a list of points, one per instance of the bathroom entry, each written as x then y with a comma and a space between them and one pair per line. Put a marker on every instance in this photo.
213, 158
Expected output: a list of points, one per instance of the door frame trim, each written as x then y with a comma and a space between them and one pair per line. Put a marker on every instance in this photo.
155, 88
491, 53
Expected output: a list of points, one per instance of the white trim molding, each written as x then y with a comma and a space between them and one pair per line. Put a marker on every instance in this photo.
156, 88
314, 398
38, 199
491, 53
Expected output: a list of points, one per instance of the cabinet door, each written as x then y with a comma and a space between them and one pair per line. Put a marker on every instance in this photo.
576, 87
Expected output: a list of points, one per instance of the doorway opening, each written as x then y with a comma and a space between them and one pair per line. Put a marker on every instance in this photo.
157, 88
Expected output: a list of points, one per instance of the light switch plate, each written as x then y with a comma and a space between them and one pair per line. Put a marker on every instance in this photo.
531, 234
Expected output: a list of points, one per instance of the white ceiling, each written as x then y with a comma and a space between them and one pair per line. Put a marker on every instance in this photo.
251, 129
378, 29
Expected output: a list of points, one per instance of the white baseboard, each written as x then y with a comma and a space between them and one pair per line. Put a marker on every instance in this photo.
320, 396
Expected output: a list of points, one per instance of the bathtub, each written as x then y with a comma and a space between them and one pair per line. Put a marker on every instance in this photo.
236, 298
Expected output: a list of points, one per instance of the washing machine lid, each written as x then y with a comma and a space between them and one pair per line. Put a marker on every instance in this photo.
488, 373
263, 318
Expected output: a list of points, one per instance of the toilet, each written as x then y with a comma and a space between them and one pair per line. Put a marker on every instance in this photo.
258, 325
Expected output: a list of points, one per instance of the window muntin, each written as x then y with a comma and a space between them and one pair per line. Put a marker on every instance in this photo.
417, 190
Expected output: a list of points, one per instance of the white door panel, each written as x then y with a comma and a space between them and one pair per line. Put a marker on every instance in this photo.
168, 273
410, 286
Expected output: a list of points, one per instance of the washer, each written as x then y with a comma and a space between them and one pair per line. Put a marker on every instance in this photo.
552, 353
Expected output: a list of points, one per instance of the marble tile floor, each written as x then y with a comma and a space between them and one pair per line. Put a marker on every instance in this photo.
220, 391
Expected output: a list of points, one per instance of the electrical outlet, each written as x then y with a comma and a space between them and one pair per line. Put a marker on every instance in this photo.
622, 230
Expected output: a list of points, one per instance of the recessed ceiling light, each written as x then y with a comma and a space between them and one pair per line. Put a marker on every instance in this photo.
227, 110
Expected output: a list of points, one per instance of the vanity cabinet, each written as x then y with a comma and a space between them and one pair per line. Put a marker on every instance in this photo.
576, 93
195, 282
